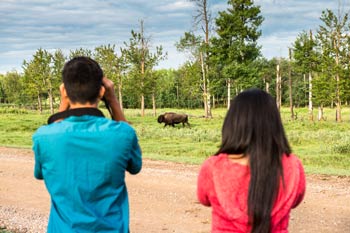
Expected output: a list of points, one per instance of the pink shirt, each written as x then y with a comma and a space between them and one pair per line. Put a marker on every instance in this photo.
223, 185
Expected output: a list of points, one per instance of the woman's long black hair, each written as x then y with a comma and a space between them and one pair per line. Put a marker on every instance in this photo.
253, 127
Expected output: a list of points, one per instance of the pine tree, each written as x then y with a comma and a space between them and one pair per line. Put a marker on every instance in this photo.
235, 46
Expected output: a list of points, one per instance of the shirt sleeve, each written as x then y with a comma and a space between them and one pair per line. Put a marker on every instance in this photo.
204, 184
301, 186
135, 161
37, 164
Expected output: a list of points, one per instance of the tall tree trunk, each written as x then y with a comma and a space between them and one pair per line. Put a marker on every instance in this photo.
337, 78
142, 71
206, 31
154, 105
50, 94
290, 86
208, 97
203, 19
267, 87
177, 95
278, 87
305, 86
228, 93
311, 115
338, 102
320, 112
40, 105
205, 93
142, 105
213, 101
120, 85
51, 102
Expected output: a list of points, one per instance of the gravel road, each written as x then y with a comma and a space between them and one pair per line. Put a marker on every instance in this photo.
162, 199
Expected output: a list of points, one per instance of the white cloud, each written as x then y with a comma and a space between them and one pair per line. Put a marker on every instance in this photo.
175, 5
277, 45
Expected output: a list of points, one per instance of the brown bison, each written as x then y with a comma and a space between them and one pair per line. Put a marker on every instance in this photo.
171, 118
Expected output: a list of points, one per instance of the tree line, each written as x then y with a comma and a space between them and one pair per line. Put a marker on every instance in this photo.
222, 63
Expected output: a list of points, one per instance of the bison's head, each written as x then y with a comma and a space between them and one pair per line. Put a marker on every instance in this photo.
160, 118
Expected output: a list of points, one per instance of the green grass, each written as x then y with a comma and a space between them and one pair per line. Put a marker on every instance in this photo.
4, 231
324, 147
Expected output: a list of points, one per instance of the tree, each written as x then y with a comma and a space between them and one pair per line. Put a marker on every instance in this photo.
202, 18
235, 46
38, 77
278, 86
305, 57
192, 45
43, 59
2, 89
112, 66
334, 41
290, 84
164, 88
188, 92
11, 88
142, 61
80, 52
266, 70
58, 61
33, 83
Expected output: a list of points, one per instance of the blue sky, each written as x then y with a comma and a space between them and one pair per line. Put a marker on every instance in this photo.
26, 25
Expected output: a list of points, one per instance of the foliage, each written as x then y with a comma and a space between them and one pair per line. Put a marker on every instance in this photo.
80, 52
190, 43
142, 62
42, 76
334, 42
235, 47
11, 81
190, 83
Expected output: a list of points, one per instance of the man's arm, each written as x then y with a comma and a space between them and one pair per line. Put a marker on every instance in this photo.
135, 161
112, 100
37, 165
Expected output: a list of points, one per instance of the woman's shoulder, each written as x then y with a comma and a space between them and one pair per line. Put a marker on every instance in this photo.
215, 158
222, 162
291, 159
292, 166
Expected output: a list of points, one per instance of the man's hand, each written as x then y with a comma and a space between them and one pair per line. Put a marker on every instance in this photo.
112, 100
109, 90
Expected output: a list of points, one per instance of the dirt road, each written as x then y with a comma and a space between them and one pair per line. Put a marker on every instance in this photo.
162, 199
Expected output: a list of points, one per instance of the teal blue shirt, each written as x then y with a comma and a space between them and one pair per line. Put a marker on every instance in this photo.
83, 160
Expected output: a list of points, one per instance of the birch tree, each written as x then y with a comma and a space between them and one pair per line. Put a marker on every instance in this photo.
202, 19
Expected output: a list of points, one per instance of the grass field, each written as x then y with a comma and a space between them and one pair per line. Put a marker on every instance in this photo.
324, 147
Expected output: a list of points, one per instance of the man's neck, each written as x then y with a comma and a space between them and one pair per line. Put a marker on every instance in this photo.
79, 105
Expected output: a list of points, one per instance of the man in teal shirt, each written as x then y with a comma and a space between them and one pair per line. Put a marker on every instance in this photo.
82, 156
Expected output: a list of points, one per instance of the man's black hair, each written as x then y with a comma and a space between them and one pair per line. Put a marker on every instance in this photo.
82, 78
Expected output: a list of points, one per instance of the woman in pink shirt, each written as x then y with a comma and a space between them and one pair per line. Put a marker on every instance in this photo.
253, 181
